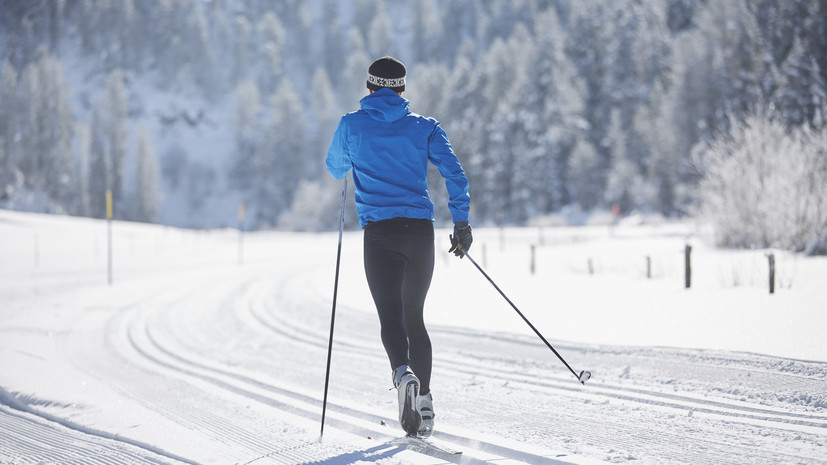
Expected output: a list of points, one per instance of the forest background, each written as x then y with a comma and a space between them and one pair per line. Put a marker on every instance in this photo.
559, 110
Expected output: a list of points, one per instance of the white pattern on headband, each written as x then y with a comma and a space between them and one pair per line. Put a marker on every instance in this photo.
385, 82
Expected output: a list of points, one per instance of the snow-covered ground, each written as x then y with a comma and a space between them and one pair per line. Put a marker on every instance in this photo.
193, 357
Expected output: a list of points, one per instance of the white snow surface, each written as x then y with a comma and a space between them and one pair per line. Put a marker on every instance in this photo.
211, 349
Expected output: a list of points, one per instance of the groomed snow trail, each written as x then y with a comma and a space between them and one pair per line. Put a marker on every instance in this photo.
192, 358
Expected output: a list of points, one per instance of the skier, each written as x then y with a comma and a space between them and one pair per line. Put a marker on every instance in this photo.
388, 148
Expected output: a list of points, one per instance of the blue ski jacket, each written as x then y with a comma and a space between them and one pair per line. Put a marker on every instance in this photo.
388, 148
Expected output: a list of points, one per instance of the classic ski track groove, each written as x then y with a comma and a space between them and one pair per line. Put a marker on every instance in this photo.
746, 414
302, 405
212, 425
60, 442
277, 320
693, 456
141, 339
159, 353
261, 315
285, 327
65, 435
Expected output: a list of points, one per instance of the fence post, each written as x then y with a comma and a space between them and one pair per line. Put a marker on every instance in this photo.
648, 267
591, 266
772, 273
687, 251
533, 261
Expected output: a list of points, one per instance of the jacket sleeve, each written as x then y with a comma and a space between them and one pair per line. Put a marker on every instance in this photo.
442, 155
338, 159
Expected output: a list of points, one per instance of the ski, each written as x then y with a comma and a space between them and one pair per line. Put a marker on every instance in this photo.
426, 446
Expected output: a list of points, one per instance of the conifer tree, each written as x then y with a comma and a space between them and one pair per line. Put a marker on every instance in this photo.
147, 188
116, 116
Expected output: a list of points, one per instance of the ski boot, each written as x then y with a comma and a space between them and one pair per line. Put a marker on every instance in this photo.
407, 387
425, 405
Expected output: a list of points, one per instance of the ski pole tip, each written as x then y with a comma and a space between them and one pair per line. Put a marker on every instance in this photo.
584, 376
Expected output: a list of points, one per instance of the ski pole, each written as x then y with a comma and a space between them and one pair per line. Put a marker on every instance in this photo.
583, 376
333, 312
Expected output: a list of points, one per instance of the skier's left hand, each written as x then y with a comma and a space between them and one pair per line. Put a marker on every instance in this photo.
461, 239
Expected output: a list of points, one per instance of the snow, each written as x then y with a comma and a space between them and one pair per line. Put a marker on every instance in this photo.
197, 355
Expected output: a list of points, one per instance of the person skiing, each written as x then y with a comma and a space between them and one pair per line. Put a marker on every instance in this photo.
388, 148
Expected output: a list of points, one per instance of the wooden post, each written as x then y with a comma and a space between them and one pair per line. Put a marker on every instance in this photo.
648, 267
687, 251
772, 273
591, 266
533, 260
109, 234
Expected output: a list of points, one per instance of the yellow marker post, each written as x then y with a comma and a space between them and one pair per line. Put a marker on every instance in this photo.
108, 205
109, 229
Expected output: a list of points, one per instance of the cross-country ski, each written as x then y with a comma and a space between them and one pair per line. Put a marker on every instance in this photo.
427, 446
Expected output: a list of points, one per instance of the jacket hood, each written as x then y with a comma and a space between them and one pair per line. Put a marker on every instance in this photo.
385, 105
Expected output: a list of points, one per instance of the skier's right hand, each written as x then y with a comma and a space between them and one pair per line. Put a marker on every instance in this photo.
461, 239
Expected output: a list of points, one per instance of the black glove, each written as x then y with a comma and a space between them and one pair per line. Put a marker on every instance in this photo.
461, 237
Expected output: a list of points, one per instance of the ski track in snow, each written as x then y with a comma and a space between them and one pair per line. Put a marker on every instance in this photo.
170, 354
31, 439
270, 307
228, 366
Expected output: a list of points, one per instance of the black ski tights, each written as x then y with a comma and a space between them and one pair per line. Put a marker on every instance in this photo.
399, 264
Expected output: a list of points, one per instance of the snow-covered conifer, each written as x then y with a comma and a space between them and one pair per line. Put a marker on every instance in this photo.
147, 187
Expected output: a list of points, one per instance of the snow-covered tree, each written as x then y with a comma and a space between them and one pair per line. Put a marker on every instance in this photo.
765, 185
242, 33
526, 90
586, 183
380, 34
589, 46
428, 28
83, 148
316, 207
100, 165
247, 135
47, 164
623, 179
352, 86
147, 184
333, 35
10, 120
271, 38
199, 52
325, 112
803, 91
554, 98
284, 160
116, 116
